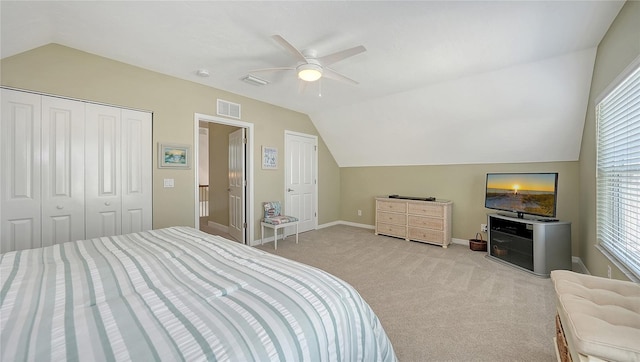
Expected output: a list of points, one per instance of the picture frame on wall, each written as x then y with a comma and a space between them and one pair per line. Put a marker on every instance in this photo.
174, 156
269, 158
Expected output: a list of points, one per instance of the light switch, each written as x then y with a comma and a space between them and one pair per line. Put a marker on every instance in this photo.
168, 182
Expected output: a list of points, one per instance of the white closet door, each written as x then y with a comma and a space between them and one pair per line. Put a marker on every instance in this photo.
136, 171
20, 183
103, 203
62, 170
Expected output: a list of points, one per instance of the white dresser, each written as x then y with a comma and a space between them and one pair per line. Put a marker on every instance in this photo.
423, 221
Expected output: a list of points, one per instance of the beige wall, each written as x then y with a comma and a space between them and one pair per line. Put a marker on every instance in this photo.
462, 184
59, 70
620, 46
328, 194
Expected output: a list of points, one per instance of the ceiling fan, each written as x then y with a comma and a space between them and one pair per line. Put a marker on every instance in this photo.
310, 67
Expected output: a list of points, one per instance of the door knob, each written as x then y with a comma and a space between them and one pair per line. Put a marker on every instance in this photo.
107, 203
289, 190
59, 207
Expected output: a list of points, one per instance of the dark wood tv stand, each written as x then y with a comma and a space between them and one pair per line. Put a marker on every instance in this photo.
529, 244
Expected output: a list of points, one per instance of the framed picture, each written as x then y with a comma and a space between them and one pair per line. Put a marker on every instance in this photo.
174, 156
269, 158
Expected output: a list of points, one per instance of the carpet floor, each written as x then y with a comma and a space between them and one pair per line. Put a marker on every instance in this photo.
437, 304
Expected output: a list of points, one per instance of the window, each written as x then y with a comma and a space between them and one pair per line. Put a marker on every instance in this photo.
618, 172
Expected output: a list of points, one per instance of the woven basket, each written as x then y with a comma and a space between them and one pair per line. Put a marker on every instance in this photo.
499, 251
478, 244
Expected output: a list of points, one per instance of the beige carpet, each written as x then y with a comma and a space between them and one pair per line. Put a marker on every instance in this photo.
437, 304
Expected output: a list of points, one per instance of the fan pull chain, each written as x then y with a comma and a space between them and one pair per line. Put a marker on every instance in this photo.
320, 87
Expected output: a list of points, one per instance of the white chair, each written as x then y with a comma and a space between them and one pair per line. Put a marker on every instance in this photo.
274, 219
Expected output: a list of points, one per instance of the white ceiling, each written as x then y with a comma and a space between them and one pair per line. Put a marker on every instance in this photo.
442, 82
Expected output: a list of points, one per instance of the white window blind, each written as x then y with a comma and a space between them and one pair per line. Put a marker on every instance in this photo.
618, 172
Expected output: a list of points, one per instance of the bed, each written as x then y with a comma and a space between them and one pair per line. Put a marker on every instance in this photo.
178, 294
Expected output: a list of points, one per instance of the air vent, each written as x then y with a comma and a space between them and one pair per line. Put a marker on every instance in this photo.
228, 109
254, 80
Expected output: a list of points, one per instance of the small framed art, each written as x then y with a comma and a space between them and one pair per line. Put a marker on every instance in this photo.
174, 156
269, 158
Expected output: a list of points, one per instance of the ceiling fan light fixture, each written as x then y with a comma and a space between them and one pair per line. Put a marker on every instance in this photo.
309, 72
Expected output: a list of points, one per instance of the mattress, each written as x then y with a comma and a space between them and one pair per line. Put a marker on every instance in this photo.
178, 294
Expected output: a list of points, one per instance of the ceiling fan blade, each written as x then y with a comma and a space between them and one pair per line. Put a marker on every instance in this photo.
293, 50
344, 54
332, 74
271, 69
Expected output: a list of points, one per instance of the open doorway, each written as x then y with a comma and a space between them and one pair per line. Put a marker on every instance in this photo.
223, 198
220, 198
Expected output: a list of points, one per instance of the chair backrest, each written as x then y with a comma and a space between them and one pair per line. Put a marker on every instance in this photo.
272, 209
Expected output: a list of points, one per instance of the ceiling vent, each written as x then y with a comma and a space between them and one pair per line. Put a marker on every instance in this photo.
254, 80
228, 109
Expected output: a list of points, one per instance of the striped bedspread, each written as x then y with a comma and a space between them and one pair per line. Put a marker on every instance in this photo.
178, 294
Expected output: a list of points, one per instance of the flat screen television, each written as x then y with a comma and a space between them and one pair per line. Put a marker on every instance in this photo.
522, 193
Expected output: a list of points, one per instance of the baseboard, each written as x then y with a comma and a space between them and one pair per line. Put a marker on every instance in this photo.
581, 267
329, 224
460, 241
372, 227
348, 223
217, 226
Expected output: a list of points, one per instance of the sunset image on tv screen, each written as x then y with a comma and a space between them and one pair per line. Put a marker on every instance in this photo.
526, 193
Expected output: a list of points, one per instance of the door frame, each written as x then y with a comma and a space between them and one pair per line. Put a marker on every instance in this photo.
249, 209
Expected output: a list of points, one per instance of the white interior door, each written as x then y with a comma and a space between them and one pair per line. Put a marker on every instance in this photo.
301, 179
136, 171
103, 202
20, 182
62, 170
237, 185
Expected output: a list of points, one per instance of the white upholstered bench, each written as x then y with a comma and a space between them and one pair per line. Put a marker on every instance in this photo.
598, 319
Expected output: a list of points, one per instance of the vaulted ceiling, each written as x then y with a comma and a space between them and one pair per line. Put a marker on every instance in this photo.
441, 82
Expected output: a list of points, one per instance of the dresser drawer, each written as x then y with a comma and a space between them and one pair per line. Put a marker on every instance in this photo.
392, 206
391, 218
427, 209
426, 222
432, 236
393, 230
417, 220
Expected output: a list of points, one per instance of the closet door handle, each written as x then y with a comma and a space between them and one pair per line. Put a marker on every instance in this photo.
289, 190
59, 207
107, 203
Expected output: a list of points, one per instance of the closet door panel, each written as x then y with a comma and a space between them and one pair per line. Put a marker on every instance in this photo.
21, 234
20, 184
62, 170
136, 171
102, 171
107, 223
